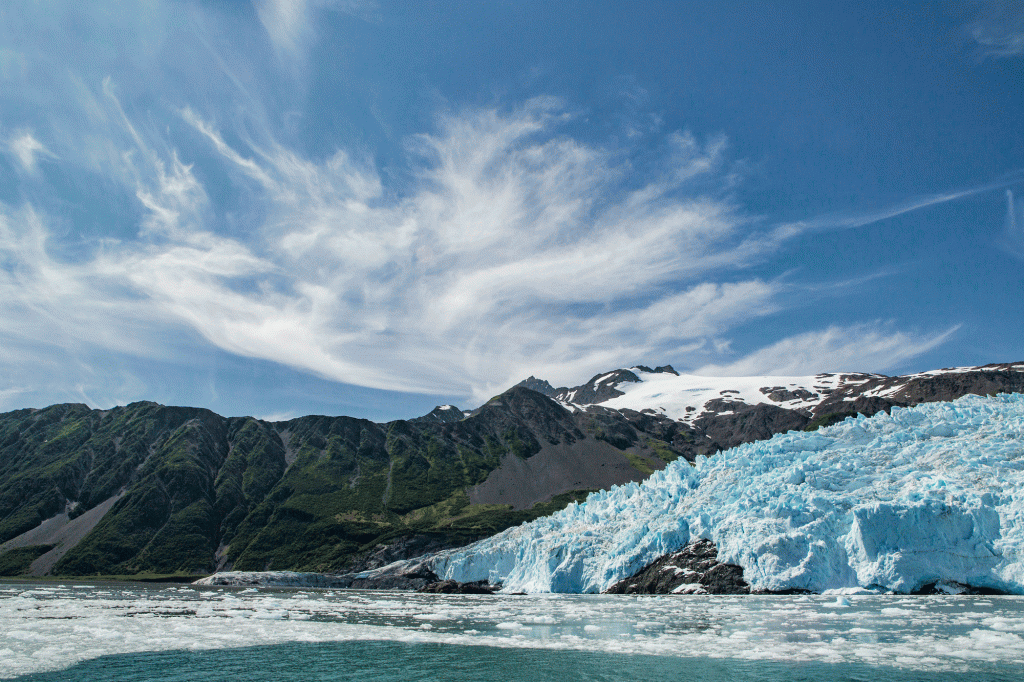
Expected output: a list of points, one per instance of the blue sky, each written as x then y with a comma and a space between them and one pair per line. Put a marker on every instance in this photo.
369, 208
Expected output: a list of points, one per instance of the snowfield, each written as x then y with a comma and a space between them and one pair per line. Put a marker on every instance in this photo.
683, 397
893, 502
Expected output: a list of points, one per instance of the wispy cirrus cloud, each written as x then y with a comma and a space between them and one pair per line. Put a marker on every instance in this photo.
286, 22
873, 347
842, 221
27, 150
290, 24
515, 249
505, 246
1012, 239
999, 32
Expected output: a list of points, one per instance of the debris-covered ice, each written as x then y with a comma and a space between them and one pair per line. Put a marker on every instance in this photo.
933, 493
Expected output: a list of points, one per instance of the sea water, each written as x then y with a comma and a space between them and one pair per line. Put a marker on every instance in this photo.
106, 632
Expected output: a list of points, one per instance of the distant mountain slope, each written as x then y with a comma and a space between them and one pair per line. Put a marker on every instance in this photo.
152, 489
689, 397
727, 411
149, 488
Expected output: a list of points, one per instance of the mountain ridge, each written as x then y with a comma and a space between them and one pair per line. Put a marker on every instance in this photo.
196, 492
146, 488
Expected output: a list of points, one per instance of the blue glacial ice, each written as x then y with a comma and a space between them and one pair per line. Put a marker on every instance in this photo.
892, 502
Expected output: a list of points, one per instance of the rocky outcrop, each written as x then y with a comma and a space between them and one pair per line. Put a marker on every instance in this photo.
952, 587
400, 549
737, 423
599, 389
273, 579
455, 587
412, 576
695, 569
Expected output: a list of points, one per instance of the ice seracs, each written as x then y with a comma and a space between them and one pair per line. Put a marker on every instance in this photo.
933, 493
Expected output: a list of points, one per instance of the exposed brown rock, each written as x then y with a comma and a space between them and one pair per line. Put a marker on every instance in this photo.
695, 569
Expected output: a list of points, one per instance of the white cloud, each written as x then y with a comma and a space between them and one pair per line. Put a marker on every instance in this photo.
49, 303
277, 416
1012, 239
507, 236
860, 348
6, 394
289, 24
515, 250
1000, 32
285, 21
842, 221
27, 149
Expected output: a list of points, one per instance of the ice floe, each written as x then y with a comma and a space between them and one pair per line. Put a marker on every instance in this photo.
52, 629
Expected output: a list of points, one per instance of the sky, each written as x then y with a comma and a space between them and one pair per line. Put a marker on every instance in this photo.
369, 208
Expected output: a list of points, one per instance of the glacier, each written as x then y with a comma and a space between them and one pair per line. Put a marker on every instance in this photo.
887, 503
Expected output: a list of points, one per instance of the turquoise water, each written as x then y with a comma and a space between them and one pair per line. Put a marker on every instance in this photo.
110, 632
387, 661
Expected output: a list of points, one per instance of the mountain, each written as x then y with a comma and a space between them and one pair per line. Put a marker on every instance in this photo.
923, 497
722, 412
150, 489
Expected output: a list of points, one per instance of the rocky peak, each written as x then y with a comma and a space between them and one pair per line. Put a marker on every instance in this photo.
600, 388
441, 414
541, 386
664, 369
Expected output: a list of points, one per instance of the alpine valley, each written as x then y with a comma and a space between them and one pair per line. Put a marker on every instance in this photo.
149, 491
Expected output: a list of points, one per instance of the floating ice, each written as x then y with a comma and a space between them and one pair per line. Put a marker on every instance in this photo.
892, 502
53, 630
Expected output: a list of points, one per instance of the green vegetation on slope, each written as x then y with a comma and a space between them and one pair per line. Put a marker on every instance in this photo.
199, 491
17, 561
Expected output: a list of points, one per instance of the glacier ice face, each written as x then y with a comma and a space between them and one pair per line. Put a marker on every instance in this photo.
893, 502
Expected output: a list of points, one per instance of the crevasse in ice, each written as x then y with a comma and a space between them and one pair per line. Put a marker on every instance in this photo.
893, 502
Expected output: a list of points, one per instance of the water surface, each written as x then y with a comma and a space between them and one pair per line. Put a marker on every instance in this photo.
107, 632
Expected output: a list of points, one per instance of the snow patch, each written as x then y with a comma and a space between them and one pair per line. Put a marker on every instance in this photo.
672, 395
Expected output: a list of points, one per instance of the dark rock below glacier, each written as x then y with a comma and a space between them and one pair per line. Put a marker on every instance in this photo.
955, 588
455, 587
409, 575
397, 549
695, 569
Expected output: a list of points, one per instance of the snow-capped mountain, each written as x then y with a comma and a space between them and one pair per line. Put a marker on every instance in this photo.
690, 398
